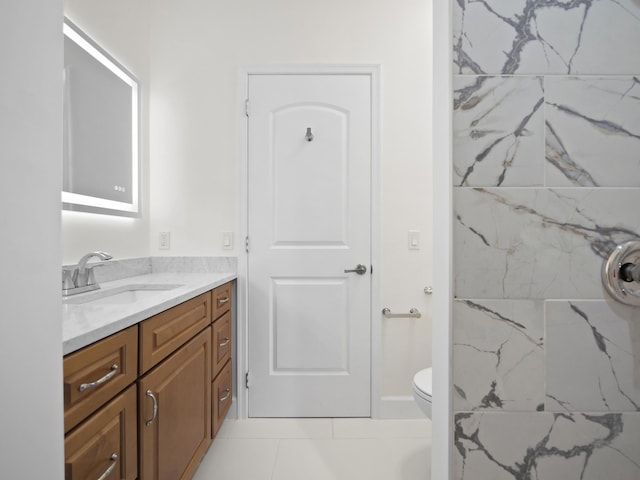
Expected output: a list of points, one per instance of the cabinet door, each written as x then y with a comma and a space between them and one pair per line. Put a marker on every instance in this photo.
221, 342
175, 437
222, 392
165, 332
106, 443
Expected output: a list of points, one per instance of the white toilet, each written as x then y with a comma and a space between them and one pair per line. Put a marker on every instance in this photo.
422, 390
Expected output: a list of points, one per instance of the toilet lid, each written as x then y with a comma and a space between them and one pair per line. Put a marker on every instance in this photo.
423, 381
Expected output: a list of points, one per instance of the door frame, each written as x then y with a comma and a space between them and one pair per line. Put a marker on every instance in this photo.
242, 350
442, 336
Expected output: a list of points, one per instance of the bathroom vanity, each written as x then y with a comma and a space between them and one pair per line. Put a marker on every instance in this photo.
146, 392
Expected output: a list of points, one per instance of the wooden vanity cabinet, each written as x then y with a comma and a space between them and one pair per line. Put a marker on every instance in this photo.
100, 419
163, 333
175, 412
174, 395
222, 380
106, 445
221, 342
222, 300
222, 391
97, 373
138, 404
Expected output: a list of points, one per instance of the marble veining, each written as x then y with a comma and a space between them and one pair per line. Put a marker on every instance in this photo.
118, 269
543, 446
499, 355
593, 131
546, 36
538, 243
194, 264
498, 130
546, 170
597, 346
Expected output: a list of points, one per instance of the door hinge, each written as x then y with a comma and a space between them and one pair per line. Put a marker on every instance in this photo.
246, 380
246, 244
246, 107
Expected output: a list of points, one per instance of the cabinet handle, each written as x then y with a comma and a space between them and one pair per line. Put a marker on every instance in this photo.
100, 381
222, 301
107, 472
225, 342
223, 399
155, 407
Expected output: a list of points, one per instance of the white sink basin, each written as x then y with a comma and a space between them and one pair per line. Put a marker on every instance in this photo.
121, 295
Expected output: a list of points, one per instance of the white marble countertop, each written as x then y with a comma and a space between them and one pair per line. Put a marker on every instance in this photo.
85, 323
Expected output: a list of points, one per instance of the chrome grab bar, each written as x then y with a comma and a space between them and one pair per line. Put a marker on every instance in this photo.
413, 313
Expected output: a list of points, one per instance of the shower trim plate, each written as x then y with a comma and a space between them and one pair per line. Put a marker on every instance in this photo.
620, 286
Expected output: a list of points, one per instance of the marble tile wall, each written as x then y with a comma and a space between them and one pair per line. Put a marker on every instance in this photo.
546, 174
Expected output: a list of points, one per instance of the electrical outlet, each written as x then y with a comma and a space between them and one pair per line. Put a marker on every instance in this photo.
227, 240
164, 242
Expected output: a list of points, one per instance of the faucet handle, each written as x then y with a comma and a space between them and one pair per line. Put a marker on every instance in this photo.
67, 278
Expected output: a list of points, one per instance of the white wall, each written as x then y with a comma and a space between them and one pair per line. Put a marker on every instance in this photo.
442, 425
196, 49
121, 27
31, 154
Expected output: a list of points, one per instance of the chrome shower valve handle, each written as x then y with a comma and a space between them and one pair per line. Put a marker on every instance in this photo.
621, 273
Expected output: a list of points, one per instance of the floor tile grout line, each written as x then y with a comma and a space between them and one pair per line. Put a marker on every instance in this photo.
275, 460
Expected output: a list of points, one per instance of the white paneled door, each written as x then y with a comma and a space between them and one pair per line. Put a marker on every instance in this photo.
309, 220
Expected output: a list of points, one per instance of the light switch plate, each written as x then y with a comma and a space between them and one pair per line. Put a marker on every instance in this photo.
227, 240
164, 241
414, 240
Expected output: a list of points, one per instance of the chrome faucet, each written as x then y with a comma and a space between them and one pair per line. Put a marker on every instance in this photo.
81, 278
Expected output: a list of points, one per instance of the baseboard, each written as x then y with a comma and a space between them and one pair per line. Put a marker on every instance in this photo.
399, 407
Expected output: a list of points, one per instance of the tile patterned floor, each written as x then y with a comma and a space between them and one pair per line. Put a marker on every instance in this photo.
319, 449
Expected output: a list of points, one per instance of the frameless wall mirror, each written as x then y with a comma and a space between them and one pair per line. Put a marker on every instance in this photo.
101, 152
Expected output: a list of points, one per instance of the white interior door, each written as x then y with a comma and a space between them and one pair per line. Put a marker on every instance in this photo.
309, 220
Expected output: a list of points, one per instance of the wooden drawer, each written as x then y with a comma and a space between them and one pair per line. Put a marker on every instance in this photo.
221, 342
163, 334
108, 440
221, 300
221, 397
95, 374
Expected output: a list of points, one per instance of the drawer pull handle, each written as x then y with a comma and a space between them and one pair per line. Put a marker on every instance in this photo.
100, 381
224, 399
222, 301
225, 342
155, 407
107, 472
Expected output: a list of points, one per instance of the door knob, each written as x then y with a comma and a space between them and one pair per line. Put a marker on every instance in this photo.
360, 269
